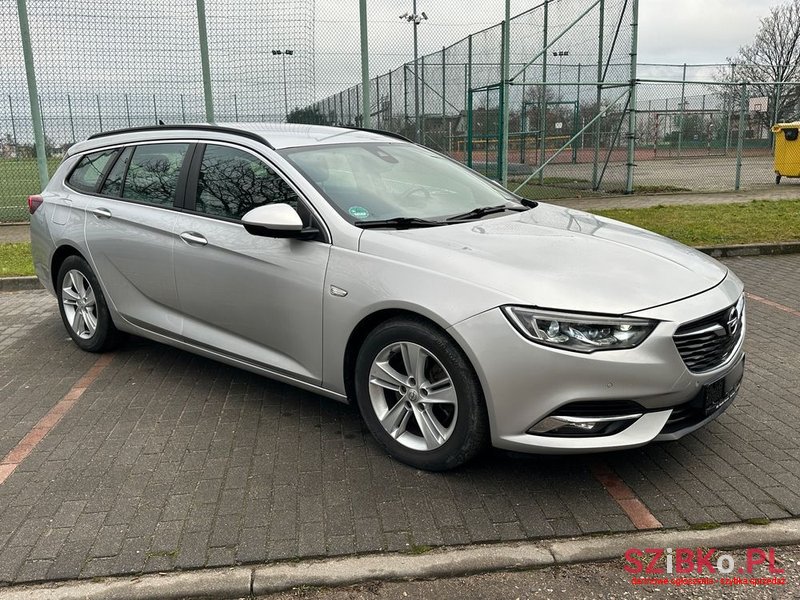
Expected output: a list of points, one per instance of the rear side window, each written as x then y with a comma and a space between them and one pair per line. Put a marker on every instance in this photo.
90, 169
112, 186
232, 182
153, 173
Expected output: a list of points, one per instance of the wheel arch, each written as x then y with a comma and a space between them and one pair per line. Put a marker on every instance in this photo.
368, 323
59, 256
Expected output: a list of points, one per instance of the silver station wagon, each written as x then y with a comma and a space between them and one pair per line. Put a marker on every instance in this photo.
357, 265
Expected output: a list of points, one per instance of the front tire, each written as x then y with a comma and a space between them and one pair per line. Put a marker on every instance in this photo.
83, 307
419, 396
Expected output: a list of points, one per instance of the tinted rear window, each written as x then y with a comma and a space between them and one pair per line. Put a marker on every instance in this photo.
90, 169
113, 183
153, 173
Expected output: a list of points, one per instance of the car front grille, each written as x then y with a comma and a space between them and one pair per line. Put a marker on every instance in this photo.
708, 342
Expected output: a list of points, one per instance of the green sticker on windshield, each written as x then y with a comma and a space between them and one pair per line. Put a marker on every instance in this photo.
358, 212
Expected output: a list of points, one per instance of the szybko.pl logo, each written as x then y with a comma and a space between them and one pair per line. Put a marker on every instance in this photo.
702, 566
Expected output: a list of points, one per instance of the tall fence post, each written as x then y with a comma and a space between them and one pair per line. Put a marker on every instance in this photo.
444, 88
391, 106
128, 109
358, 101
44, 129
577, 118
730, 109
543, 99
523, 125
71, 120
405, 97
366, 118
632, 99
421, 88
681, 110
743, 102
99, 113
504, 99
204, 61
378, 109
598, 123
468, 149
777, 99
33, 93
13, 125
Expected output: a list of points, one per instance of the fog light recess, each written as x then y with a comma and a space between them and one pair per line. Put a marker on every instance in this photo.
572, 426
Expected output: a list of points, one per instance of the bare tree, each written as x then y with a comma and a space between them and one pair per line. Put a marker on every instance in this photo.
772, 56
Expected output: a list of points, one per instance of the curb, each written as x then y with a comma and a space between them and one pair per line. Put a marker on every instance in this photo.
18, 284
751, 249
238, 582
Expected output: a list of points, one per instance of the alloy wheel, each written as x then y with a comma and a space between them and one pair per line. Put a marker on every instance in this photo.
413, 396
80, 304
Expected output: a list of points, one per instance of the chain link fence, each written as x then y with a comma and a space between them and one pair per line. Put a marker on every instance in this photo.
581, 117
564, 113
108, 65
577, 125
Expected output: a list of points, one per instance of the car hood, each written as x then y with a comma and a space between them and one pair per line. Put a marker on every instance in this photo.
554, 257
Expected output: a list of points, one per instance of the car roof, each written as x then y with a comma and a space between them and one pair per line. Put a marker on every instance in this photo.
274, 135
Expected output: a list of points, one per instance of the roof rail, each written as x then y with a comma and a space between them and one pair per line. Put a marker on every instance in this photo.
197, 127
390, 134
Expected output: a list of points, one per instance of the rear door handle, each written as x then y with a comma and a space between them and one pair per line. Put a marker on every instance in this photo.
193, 238
101, 213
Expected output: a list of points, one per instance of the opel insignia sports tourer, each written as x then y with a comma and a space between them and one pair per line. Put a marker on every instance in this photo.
365, 268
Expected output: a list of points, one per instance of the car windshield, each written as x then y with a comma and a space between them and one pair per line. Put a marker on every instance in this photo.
377, 181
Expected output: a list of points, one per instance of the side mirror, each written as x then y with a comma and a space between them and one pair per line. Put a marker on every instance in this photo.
276, 220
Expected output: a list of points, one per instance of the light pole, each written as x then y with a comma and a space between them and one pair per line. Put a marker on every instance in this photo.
560, 54
284, 54
416, 19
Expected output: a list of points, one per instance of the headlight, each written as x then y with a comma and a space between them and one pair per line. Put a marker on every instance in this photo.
579, 333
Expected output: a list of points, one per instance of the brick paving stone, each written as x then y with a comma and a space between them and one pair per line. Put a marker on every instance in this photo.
173, 461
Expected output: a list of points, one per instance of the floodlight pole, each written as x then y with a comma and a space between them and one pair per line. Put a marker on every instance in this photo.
285, 90
283, 54
366, 119
204, 61
33, 94
415, 19
560, 54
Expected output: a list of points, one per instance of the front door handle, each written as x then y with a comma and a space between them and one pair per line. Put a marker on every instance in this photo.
193, 238
101, 213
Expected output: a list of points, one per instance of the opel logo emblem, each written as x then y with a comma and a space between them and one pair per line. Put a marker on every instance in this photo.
733, 321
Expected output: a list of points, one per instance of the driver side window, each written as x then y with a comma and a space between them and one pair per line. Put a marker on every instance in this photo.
232, 182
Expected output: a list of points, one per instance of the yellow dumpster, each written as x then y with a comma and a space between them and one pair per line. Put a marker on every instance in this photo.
787, 150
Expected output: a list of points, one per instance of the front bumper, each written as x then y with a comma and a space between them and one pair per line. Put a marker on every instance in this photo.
525, 382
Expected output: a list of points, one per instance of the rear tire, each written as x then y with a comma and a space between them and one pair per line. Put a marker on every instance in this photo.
83, 307
419, 396
777, 179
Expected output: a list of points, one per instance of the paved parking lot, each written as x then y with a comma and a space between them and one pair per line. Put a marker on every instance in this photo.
168, 461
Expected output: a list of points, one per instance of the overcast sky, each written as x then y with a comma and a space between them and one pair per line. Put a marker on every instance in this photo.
697, 31
671, 31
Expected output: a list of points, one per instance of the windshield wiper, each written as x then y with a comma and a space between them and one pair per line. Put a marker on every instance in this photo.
482, 211
398, 223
